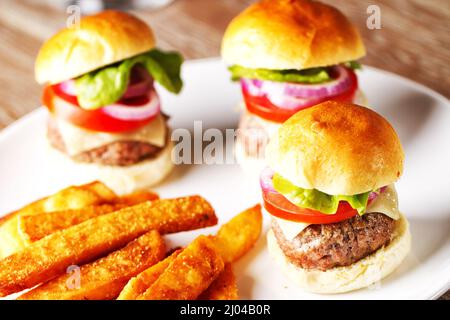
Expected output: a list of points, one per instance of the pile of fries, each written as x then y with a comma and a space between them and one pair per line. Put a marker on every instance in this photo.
85, 242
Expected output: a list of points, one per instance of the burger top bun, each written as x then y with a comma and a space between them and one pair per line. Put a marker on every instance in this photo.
97, 41
337, 148
290, 34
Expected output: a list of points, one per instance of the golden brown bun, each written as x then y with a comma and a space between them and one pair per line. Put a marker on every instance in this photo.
290, 34
337, 148
360, 274
101, 39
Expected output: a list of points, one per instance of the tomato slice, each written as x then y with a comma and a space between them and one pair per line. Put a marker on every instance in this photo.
277, 205
95, 120
262, 107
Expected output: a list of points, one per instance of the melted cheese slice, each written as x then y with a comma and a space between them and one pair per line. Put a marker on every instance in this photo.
290, 229
386, 203
78, 140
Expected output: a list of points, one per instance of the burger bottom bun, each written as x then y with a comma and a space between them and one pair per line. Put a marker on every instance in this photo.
361, 274
121, 180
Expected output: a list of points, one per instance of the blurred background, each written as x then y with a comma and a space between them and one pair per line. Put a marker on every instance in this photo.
414, 39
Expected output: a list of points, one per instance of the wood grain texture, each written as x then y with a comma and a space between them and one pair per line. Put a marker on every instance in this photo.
414, 40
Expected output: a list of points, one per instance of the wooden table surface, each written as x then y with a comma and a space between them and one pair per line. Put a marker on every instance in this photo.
414, 40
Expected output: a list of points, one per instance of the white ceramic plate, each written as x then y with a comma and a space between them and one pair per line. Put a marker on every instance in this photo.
421, 117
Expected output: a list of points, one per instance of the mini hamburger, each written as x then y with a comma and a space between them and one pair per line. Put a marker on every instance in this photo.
105, 113
288, 55
330, 190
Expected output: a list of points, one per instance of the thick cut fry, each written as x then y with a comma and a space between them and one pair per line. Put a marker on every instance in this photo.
239, 235
170, 279
35, 227
189, 274
74, 197
136, 197
104, 278
139, 284
223, 288
50, 256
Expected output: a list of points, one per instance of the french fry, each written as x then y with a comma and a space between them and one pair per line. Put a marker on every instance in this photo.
169, 278
139, 284
103, 279
50, 256
35, 227
239, 235
136, 197
189, 274
223, 288
234, 239
74, 197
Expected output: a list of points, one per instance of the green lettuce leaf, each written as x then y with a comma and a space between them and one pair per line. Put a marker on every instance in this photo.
107, 85
355, 65
317, 200
313, 75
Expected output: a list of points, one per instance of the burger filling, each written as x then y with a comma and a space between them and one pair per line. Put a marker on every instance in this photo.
325, 246
320, 231
112, 115
273, 96
116, 150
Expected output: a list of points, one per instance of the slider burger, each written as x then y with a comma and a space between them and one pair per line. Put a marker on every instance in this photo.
329, 187
100, 90
288, 55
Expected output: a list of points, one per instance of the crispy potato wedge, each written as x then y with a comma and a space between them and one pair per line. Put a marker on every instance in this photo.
189, 274
239, 235
50, 256
74, 197
139, 284
103, 279
37, 226
223, 288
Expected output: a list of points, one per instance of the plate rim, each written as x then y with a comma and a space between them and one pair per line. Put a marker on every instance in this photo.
29, 117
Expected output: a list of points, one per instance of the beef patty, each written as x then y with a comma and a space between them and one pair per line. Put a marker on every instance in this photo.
325, 246
118, 153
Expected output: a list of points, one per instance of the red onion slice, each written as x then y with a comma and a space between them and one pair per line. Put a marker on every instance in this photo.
68, 87
292, 103
140, 83
296, 96
374, 195
128, 113
265, 180
252, 86
331, 88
